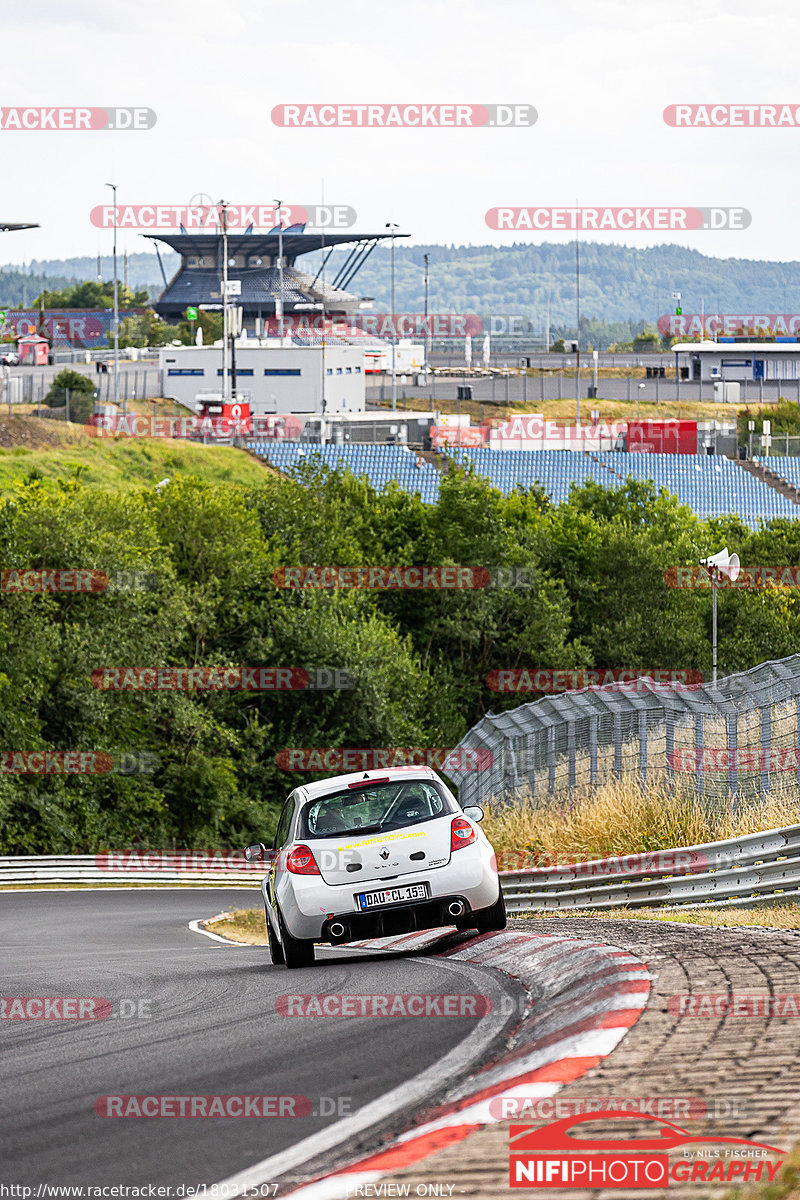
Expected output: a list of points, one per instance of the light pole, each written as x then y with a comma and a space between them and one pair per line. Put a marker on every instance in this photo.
391, 226
223, 213
578, 319
716, 565
278, 204
638, 394
427, 331
113, 187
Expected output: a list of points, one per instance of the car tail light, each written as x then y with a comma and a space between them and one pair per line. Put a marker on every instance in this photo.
461, 833
300, 861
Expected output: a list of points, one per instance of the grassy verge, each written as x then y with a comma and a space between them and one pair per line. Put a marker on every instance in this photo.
248, 924
69, 451
243, 925
563, 410
783, 916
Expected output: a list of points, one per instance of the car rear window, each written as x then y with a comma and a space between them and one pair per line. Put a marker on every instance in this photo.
375, 808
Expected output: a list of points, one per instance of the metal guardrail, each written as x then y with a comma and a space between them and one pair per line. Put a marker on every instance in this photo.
759, 868
94, 869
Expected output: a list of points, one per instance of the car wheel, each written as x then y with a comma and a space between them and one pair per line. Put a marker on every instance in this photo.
489, 920
275, 947
297, 952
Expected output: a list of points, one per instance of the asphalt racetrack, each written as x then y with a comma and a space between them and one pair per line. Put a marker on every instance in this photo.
213, 1029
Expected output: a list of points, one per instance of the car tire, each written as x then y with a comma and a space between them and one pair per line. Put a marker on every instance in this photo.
491, 920
275, 948
297, 952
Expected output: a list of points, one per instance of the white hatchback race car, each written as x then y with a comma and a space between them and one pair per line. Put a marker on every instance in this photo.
375, 854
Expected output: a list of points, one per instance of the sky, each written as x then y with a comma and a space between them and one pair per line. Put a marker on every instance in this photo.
599, 74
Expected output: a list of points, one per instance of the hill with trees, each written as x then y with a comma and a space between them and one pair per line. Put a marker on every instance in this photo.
623, 288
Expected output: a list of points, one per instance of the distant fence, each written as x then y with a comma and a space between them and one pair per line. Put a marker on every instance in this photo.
519, 388
733, 741
135, 383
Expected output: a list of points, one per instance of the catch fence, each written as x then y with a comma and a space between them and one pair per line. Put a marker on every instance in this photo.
733, 742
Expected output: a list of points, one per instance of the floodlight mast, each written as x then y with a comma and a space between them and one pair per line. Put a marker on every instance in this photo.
113, 187
279, 215
223, 220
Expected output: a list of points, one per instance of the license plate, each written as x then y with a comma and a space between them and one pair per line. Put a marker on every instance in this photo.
411, 891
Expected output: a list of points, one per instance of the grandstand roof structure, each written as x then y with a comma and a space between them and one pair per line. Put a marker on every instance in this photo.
253, 259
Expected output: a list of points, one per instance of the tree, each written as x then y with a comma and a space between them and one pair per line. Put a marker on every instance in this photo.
91, 294
145, 329
81, 391
648, 339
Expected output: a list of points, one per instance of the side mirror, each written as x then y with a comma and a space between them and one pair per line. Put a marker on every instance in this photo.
474, 812
255, 853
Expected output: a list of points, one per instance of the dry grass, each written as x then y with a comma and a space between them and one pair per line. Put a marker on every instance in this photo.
781, 916
619, 817
248, 924
243, 925
786, 1185
689, 409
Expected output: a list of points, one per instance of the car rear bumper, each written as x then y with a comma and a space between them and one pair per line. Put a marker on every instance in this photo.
394, 921
313, 920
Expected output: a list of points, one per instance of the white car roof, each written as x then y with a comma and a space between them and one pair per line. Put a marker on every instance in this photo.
312, 791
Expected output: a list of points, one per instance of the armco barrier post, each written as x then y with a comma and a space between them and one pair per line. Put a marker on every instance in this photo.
593, 735
643, 746
551, 759
571, 753
698, 745
732, 732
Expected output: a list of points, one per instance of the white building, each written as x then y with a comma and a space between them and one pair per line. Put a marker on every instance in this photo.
731, 361
274, 378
